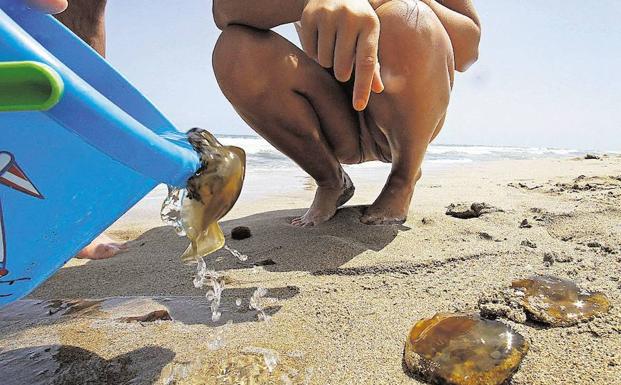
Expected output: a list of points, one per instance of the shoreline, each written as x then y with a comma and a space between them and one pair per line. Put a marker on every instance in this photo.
345, 294
271, 187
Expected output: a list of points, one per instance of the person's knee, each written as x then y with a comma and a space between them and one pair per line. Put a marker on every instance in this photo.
413, 44
239, 63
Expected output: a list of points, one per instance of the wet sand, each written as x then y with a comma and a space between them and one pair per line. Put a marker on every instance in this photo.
346, 293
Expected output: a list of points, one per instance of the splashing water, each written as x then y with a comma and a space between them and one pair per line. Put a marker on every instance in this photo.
308, 375
218, 341
240, 256
209, 195
171, 210
178, 371
284, 378
171, 214
176, 137
256, 303
204, 276
269, 356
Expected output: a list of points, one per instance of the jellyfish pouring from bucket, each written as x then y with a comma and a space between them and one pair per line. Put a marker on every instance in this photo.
211, 193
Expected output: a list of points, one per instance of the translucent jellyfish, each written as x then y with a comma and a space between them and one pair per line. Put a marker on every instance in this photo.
557, 301
211, 193
461, 349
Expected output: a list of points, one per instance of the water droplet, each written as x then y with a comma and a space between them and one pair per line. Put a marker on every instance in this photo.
270, 357
235, 253
210, 295
205, 276
256, 303
171, 210
215, 316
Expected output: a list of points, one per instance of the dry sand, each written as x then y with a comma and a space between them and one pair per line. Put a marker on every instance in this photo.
347, 293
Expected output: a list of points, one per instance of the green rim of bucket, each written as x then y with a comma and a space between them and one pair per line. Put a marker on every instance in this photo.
29, 86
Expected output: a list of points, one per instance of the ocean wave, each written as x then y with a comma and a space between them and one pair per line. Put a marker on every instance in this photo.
263, 156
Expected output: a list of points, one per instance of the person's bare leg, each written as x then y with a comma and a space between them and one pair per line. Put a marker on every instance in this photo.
296, 105
417, 68
86, 19
101, 248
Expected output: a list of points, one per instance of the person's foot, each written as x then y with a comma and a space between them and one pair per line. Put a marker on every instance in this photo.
327, 200
101, 248
391, 206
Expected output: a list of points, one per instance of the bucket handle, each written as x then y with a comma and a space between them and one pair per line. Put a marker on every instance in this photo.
29, 86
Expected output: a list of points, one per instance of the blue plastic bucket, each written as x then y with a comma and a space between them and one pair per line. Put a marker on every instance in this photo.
69, 172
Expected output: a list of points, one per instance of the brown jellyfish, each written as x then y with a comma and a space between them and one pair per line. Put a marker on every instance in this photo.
212, 192
462, 349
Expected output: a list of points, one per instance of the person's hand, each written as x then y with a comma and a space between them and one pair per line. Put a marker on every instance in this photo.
342, 34
48, 6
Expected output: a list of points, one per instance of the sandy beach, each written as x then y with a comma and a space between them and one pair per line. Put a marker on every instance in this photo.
344, 295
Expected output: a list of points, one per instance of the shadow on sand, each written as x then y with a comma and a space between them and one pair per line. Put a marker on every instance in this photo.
152, 267
64, 364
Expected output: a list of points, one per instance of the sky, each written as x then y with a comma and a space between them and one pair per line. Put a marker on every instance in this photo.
547, 76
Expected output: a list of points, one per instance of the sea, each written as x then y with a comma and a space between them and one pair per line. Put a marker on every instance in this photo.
262, 156
270, 174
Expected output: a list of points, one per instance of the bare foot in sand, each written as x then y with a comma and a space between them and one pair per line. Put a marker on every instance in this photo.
392, 205
327, 200
388, 209
101, 248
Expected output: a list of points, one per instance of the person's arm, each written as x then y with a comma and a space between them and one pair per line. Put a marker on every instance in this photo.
86, 19
261, 14
338, 34
462, 24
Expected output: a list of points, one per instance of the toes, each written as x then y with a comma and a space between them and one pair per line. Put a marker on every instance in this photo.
105, 251
301, 222
120, 246
102, 251
367, 220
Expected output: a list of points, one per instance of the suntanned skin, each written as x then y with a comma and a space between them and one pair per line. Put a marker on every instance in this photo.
401, 55
86, 19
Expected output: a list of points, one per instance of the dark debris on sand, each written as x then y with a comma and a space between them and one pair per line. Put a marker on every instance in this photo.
474, 210
524, 186
157, 315
241, 232
552, 256
529, 243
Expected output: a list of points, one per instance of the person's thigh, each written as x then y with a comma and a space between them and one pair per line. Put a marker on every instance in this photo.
416, 59
258, 70
417, 69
